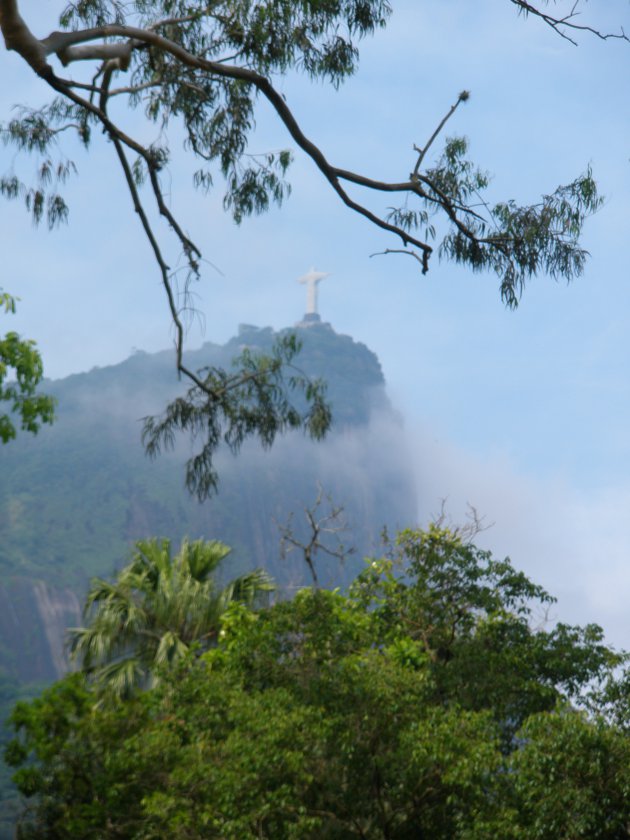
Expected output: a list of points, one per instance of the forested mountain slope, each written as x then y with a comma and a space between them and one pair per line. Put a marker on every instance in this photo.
74, 498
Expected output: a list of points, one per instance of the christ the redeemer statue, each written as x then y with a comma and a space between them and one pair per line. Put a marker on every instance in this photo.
311, 280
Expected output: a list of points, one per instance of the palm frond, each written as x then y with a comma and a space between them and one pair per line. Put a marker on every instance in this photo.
158, 606
121, 678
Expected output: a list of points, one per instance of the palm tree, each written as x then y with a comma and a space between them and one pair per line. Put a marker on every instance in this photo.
156, 608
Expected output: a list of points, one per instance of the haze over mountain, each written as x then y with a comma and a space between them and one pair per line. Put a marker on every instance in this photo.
73, 499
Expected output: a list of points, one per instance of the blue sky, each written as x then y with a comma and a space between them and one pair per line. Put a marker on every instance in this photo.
525, 414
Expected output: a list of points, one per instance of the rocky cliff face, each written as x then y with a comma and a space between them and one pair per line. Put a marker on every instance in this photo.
33, 621
74, 498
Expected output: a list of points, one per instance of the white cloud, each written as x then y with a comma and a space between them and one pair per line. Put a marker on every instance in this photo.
575, 544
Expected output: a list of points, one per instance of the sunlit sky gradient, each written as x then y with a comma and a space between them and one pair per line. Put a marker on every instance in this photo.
525, 414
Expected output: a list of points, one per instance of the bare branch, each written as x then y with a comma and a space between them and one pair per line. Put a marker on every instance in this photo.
329, 525
467, 531
176, 21
119, 52
559, 24
164, 268
135, 88
464, 96
407, 253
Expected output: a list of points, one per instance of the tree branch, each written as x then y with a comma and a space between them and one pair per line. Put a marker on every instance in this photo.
18, 37
433, 187
60, 42
568, 22
464, 96
332, 523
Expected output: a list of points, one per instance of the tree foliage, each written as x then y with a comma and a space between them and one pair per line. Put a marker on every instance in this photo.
424, 703
230, 406
155, 609
21, 371
204, 68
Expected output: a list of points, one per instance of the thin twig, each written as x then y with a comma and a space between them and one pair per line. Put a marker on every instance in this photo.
409, 253
567, 21
463, 97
